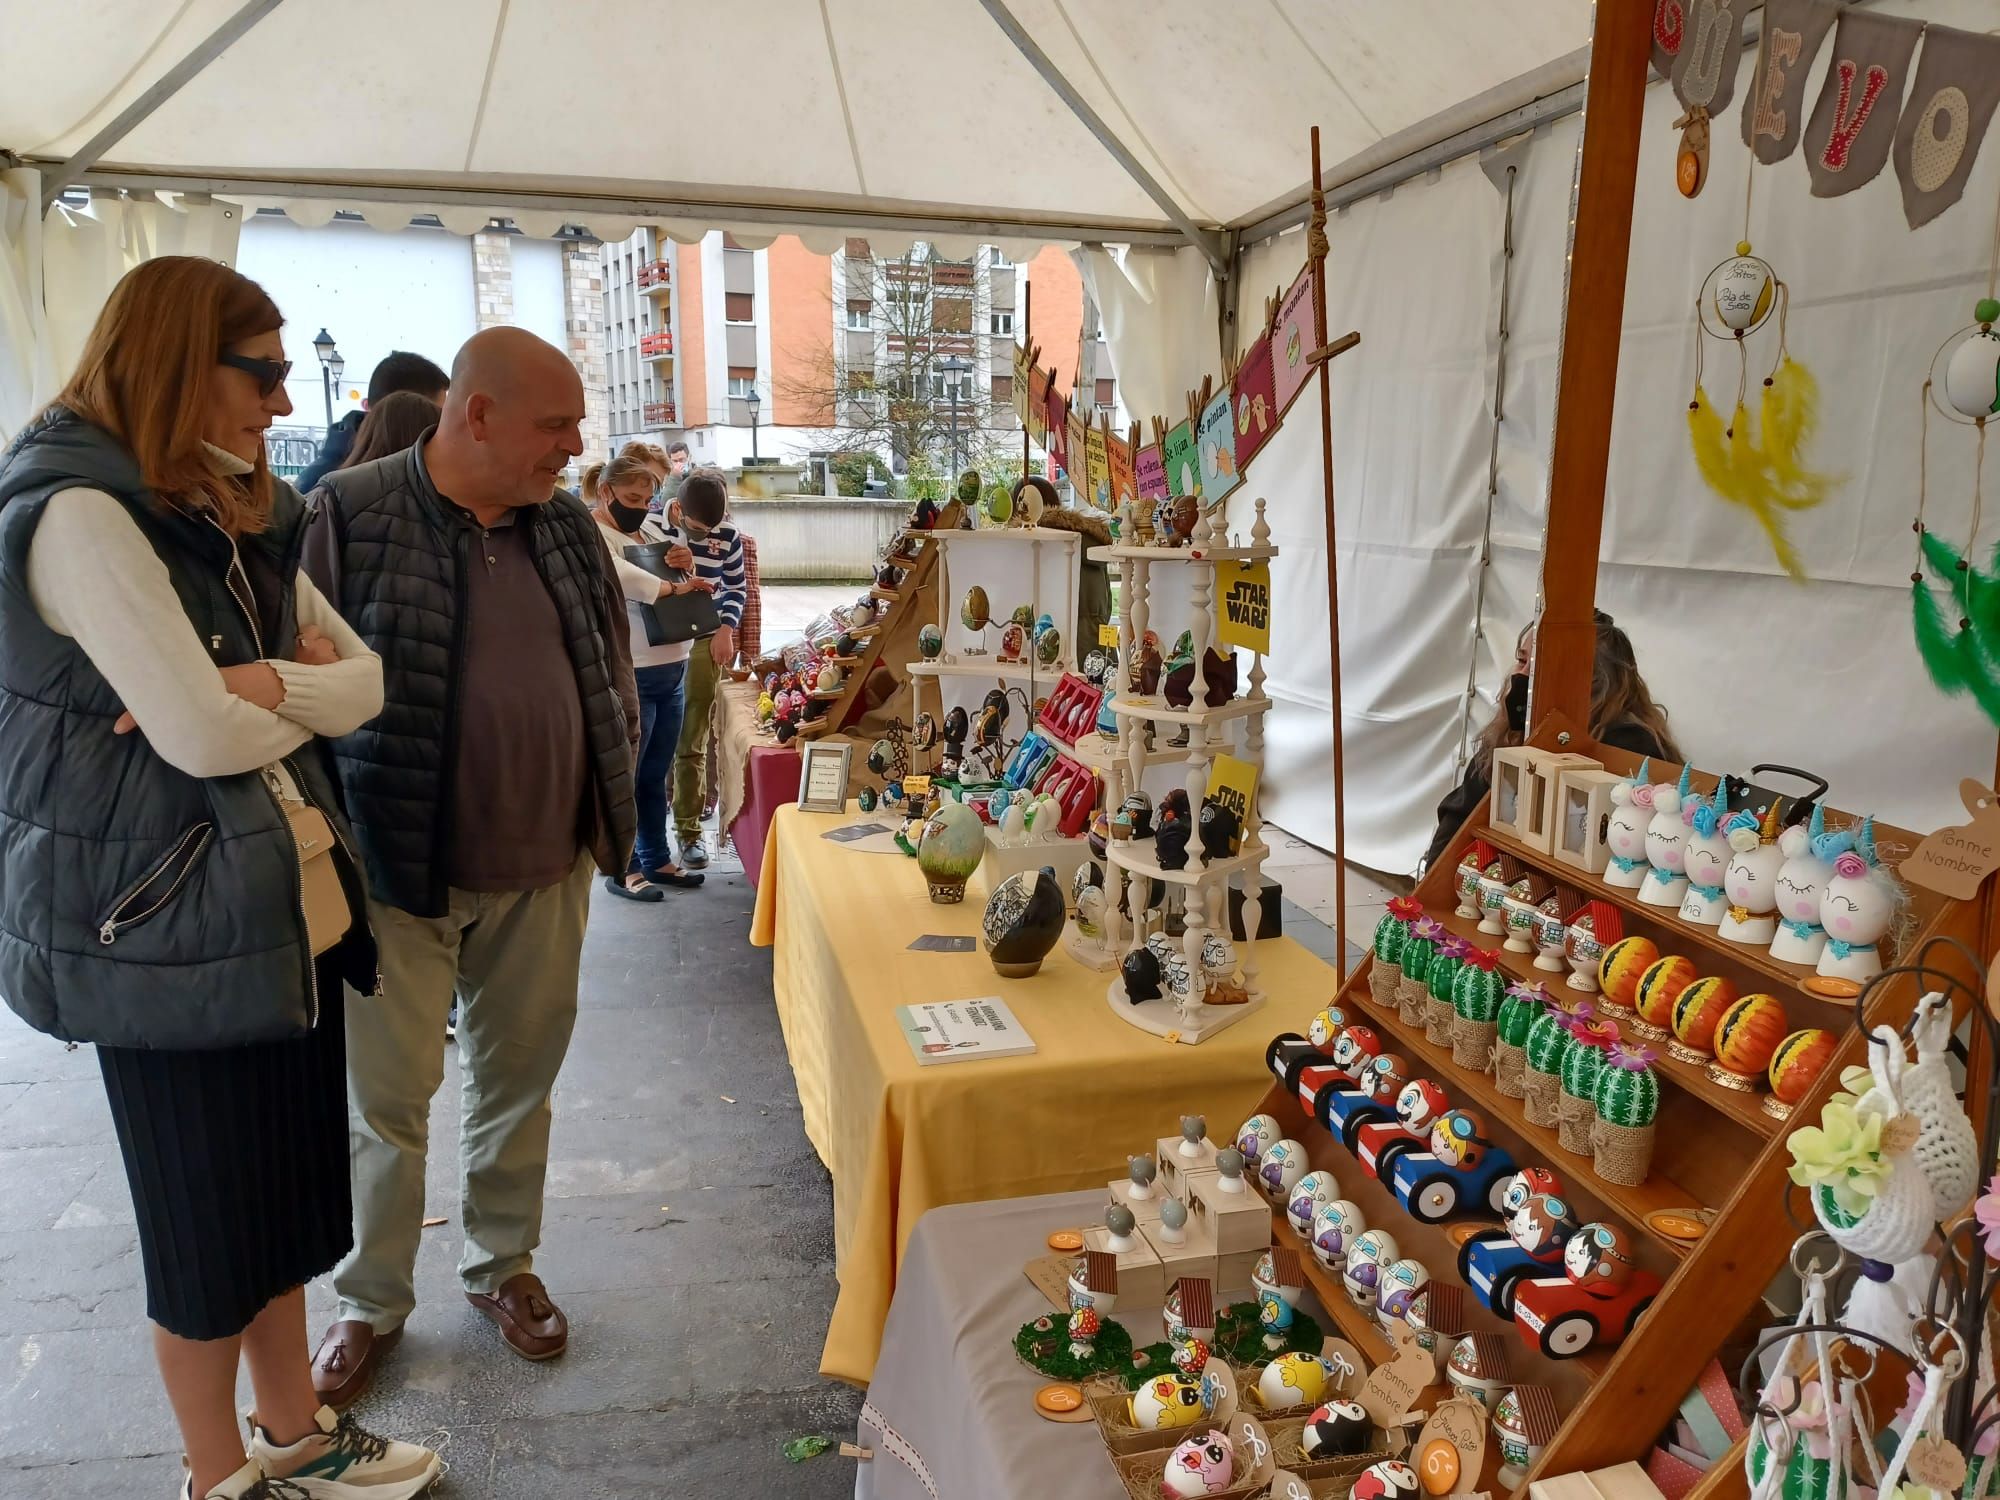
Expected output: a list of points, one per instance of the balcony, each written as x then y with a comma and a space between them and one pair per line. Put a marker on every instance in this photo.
657, 345
655, 276
659, 414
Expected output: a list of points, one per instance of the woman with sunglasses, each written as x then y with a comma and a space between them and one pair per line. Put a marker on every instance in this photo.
166, 673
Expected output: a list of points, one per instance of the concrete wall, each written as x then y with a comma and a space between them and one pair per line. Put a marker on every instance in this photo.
810, 538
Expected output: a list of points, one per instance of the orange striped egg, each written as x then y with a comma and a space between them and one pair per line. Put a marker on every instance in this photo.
1798, 1061
1659, 987
1698, 1010
1619, 971
1747, 1037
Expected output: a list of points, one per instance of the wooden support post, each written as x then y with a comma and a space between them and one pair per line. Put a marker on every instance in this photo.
1316, 248
1600, 243
1028, 343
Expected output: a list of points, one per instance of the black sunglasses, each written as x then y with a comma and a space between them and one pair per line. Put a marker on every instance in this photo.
270, 373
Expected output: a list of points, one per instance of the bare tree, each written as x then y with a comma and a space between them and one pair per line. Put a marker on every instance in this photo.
888, 386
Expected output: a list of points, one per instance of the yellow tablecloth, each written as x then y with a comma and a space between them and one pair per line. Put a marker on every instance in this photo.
900, 1138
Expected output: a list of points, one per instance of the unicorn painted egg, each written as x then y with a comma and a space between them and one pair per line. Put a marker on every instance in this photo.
1972, 375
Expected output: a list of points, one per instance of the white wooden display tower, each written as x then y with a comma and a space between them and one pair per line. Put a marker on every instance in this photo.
1134, 861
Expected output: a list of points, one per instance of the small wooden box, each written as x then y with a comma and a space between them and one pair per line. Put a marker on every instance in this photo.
1193, 1256
1172, 1164
1145, 1210
1583, 808
1238, 1221
1142, 1281
1525, 788
1232, 1272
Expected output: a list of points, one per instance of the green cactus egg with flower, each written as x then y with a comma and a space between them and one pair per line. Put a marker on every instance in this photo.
1548, 1042
1445, 967
1516, 1014
1390, 936
1582, 1066
1418, 951
1626, 1095
1477, 993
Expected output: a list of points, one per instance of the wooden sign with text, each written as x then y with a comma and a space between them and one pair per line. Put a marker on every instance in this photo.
1955, 861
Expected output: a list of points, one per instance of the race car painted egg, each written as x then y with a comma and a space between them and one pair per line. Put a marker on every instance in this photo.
1598, 1258
1420, 1103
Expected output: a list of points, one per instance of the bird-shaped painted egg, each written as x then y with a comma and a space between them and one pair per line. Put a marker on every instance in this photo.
1339, 1429
1280, 1170
1166, 1401
977, 611
930, 642
1204, 1465
1742, 292
1598, 1258
1400, 1284
1309, 1194
1294, 1380
1255, 1136
1972, 374
1392, 1480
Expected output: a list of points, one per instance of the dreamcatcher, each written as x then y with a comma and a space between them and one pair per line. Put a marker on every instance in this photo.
1967, 365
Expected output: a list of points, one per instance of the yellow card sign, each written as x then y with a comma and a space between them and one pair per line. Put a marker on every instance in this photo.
1107, 636
1243, 591
916, 786
1233, 783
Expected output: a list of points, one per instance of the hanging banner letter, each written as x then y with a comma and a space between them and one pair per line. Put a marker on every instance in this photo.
1774, 107
1944, 124
1244, 590
1854, 124
1705, 72
1669, 33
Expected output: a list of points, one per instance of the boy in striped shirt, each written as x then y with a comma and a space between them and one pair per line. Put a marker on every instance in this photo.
697, 520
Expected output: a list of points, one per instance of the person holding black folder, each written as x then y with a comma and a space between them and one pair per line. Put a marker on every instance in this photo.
663, 612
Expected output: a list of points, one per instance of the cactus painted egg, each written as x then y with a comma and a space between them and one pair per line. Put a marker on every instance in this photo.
1280, 1169
1800, 1059
1660, 986
1624, 962
1339, 1429
1583, 1060
1748, 1035
1698, 1010
1477, 993
1598, 1258
1255, 1136
1204, 1465
1628, 1091
1166, 1401
1518, 1009
1309, 1194
1548, 1041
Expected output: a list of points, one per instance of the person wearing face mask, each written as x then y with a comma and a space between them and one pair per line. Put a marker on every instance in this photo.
1622, 714
698, 520
620, 494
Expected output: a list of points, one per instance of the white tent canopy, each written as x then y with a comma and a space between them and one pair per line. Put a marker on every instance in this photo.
800, 113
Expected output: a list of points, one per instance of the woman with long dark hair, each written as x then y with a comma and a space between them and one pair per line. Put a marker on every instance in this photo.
392, 425
1622, 715
166, 673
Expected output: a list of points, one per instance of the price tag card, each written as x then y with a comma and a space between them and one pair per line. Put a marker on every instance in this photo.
916, 786
1243, 590
1107, 636
1233, 783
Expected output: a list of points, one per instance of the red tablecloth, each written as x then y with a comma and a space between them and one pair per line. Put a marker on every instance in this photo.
770, 781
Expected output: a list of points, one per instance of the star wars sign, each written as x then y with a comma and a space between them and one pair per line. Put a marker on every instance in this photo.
1243, 594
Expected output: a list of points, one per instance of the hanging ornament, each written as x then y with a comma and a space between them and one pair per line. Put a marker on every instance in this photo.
1763, 471
1691, 160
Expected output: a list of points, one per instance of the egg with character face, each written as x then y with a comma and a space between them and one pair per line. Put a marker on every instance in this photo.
1541, 1224
1280, 1170
1599, 1258
1335, 1227
1324, 1027
1309, 1194
1458, 1139
1625, 829
1751, 880
1859, 901
1293, 1380
1339, 1429
1420, 1103
1401, 1283
1524, 1184
1384, 1077
1385, 1481
1354, 1048
1255, 1136
1204, 1465
1801, 878
1166, 1401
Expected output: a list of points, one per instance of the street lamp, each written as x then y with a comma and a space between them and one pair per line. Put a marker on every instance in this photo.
330, 365
954, 367
754, 402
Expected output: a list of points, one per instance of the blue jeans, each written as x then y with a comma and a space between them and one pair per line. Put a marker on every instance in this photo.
660, 705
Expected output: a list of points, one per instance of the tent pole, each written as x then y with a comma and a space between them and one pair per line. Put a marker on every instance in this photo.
1316, 251
1028, 343
1587, 377
1205, 240
55, 179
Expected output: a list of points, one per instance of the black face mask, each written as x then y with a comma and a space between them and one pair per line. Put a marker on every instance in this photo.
1517, 702
626, 518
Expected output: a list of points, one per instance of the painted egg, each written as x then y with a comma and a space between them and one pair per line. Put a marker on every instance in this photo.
1013, 639
1256, 1136
1384, 1077
1204, 1465
1309, 1194
977, 610
1372, 1250
1524, 1184
1972, 375
1166, 1401
1439, 1463
1087, 874
1354, 1047
1619, 971
1799, 1060
1742, 293
1280, 1169
1293, 1380
1023, 616
1324, 1027
1747, 1036
1385, 1481
1660, 986
1048, 647
1420, 1102
930, 642
1699, 1009
866, 799
1044, 623
1189, 1356
1140, 970
1458, 1139
1090, 910
1542, 1224
1335, 1227
1599, 1258
1218, 956
1339, 1429
1401, 1283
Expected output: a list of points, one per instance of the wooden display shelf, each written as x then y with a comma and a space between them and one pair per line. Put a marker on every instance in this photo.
1746, 1110
1118, 552
877, 591
1631, 1204
1007, 533
1096, 752
988, 667
1159, 712
1139, 857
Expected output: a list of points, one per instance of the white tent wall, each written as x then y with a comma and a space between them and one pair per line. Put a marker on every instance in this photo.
1751, 666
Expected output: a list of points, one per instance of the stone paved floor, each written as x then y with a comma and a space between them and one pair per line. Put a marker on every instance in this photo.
689, 1238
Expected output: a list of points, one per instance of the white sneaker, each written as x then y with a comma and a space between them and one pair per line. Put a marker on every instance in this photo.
247, 1483
344, 1461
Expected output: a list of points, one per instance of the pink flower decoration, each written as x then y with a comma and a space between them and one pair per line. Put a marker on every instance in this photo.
1987, 1212
1642, 796
1850, 866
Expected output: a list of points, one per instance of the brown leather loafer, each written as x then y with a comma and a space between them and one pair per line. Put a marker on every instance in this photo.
346, 1358
533, 1326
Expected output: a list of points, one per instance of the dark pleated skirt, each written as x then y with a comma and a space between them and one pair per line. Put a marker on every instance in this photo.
237, 1161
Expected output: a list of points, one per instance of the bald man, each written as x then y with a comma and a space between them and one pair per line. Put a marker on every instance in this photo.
498, 775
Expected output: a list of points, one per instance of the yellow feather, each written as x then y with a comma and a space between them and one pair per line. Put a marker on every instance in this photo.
1767, 478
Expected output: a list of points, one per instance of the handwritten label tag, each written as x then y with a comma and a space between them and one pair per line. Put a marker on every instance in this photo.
1459, 1426
1954, 861
1388, 1393
1107, 637
1243, 593
1233, 783
1936, 1463
916, 786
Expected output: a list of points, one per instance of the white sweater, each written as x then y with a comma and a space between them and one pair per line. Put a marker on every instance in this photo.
95, 578
640, 589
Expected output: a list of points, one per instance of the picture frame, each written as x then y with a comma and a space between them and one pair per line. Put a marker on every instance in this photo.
823, 777
1583, 807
